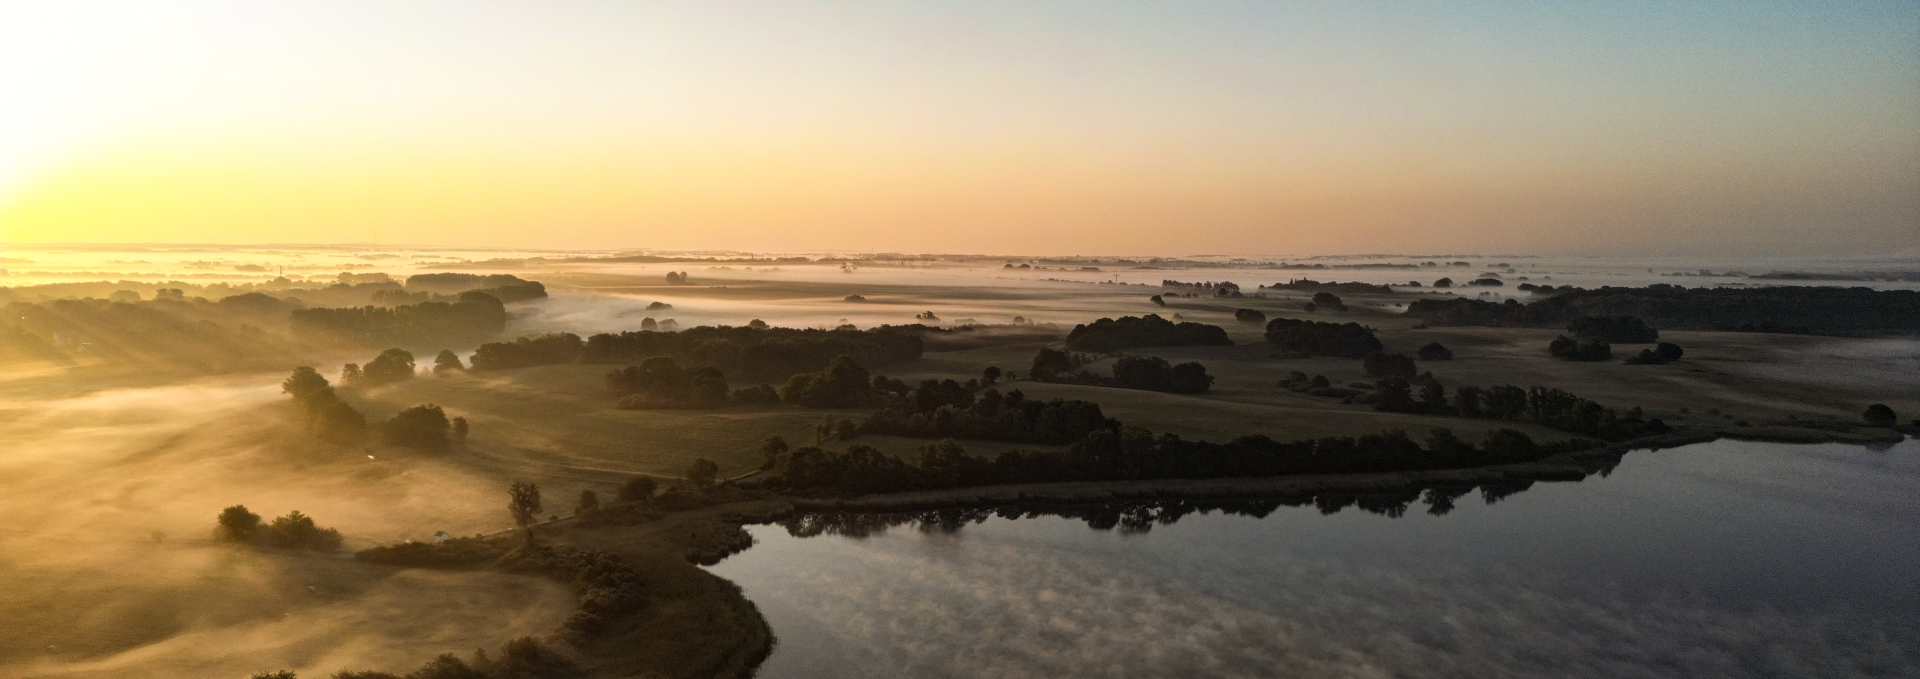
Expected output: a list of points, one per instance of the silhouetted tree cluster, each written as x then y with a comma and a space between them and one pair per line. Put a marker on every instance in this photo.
422, 427
1666, 352
392, 365
1150, 373
1349, 288
678, 278
328, 418
1249, 316
549, 349
1880, 415
1783, 309
1314, 338
1051, 363
1318, 385
1569, 349
1614, 329
773, 353
1328, 301
948, 409
1109, 335
1381, 365
842, 384
659, 382
293, 531
1157, 301
1551, 408
447, 362
1435, 351
477, 316
1131, 453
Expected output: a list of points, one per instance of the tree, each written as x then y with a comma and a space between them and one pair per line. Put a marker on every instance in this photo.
422, 427
842, 384
1668, 351
1443, 283
990, 375
772, 448
1156, 300
1329, 301
1049, 363
702, 472
523, 501
392, 365
1380, 365
1310, 307
638, 488
1249, 316
305, 384
282, 674
1435, 351
350, 375
238, 524
459, 432
298, 531
1880, 415
446, 361
1569, 349
757, 324
337, 422
589, 503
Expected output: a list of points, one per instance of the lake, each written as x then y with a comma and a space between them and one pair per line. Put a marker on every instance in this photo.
1720, 559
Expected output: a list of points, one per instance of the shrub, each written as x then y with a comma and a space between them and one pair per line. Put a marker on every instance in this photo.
422, 427
1568, 349
1435, 351
1346, 340
1379, 365
1249, 316
1880, 415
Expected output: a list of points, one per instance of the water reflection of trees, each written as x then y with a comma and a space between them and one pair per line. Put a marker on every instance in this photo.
1135, 517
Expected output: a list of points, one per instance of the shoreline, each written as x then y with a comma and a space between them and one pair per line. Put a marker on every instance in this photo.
1571, 467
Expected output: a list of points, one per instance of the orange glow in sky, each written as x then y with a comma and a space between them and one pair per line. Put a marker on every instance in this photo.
1032, 127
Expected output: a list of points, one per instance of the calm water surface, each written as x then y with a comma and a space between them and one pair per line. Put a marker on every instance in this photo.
1721, 559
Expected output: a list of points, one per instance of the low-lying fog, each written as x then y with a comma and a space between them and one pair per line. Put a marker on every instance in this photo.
110, 569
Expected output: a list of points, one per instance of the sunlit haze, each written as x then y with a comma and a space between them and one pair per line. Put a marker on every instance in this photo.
1757, 128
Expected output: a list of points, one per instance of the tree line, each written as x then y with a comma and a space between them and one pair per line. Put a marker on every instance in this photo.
749, 353
476, 316
1149, 373
1108, 335
1133, 453
1785, 309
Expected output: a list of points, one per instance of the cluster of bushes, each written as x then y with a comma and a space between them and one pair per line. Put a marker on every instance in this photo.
1252, 316
1351, 288
1109, 335
842, 384
1805, 310
1435, 351
948, 409
1150, 373
422, 427
659, 382
328, 418
1318, 385
1569, 349
522, 658
1665, 352
293, 531
392, 365
757, 354
1133, 453
1326, 300
1300, 338
477, 316
1551, 408
523, 352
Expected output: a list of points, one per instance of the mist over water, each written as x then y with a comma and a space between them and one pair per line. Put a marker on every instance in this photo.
1722, 559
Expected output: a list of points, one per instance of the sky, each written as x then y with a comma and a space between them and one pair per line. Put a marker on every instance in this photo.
1766, 127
